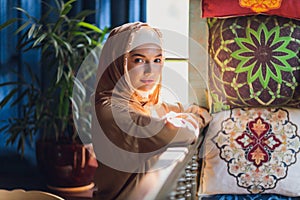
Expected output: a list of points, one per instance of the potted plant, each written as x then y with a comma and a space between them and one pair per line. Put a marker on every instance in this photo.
51, 109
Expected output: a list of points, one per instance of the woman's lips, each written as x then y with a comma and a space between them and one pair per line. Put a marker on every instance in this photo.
147, 81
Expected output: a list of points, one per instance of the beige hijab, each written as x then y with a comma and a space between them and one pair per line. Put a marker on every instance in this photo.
114, 83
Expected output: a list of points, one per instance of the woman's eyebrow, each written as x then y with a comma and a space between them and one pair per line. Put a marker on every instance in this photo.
141, 55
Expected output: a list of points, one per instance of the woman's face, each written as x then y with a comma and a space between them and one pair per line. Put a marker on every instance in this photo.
145, 67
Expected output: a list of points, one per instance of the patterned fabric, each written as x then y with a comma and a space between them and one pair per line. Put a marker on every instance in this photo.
230, 8
260, 5
252, 151
258, 145
254, 62
248, 197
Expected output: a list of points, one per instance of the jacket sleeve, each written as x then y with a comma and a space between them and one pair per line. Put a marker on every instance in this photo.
138, 133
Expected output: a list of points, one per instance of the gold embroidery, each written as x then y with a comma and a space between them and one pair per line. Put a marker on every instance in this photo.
259, 127
260, 5
258, 156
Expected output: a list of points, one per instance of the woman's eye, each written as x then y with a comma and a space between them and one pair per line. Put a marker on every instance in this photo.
138, 60
157, 60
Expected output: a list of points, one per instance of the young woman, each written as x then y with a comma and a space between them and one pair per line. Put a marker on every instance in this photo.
131, 126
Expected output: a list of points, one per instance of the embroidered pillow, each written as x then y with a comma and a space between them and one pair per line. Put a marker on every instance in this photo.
252, 151
230, 8
248, 197
254, 61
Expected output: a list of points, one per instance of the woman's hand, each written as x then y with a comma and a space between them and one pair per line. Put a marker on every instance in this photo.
201, 113
184, 120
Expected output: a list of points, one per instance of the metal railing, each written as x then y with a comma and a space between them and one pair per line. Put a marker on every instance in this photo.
177, 180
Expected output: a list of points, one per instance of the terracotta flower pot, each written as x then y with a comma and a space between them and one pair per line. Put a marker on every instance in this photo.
66, 165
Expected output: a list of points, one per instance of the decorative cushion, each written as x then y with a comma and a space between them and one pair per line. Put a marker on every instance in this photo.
254, 61
230, 8
248, 197
252, 151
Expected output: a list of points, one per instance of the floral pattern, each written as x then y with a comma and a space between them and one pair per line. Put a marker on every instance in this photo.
254, 62
263, 55
248, 197
258, 141
258, 145
260, 5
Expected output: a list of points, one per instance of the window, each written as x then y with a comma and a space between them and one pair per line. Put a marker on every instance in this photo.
172, 18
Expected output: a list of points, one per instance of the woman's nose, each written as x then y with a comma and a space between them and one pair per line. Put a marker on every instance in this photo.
148, 68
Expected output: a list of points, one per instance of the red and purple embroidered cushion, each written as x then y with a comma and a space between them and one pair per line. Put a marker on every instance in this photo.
252, 150
254, 61
230, 8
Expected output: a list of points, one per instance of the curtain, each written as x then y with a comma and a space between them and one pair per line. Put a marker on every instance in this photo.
109, 13
13, 60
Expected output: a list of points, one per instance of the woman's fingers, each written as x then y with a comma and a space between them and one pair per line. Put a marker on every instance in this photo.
200, 112
206, 117
197, 119
183, 120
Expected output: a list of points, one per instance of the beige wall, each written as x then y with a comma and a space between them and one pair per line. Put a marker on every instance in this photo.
197, 54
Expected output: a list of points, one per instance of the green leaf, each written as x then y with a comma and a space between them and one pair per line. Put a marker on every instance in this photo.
88, 39
8, 97
60, 41
7, 23
84, 14
66, 9
105, 30
90, 26
59, 4
31, 30
58, 24
95, 43
21, 144
21, 28
61, 102
31, 48
15, 130
39, 39
20, 97
56, 47
3, 128
10, 83
23, 40
66, 107
45, 47
79, 87
59, 74
23, 11
75, 108
68, 3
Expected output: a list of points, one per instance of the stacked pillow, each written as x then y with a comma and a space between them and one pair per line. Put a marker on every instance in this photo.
254, 61
234, 8
252, 151
252, 145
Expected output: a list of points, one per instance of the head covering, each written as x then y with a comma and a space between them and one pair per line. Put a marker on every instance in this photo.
113, 81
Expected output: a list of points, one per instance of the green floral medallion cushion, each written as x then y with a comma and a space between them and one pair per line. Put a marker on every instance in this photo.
254, 62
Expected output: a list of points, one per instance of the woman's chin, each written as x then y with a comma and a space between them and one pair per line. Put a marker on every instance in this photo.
147, 89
